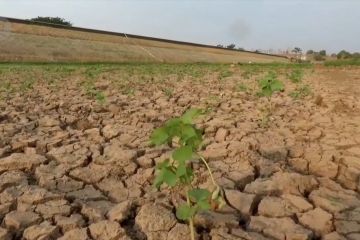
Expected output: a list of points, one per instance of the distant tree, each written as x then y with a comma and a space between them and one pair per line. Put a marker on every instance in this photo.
257, 51
356, 55
241, 49
309, 52
220, 45
318, 57
322, 53
52, 20
333, 55
343, 54
231, 46
297, 50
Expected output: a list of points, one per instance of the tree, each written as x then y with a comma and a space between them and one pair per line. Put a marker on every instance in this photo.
220, 45
343, 55
231, 46
309, 52
318, 57
52, 20
356, 55
241, 49
322, 53
297, 50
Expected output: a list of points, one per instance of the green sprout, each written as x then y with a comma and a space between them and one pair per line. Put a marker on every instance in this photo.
168, 92
296, 75
27, 84
128, 91
93, 92
241, 87
269, 85
100, 97
225, 73
301, 92
178, 171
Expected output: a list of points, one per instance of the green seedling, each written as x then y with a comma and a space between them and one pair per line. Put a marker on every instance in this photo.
269, 85
301, 92
5, 89
225, 73
177, 170
128, 91
27, 84
100, 97
296, 75
93, 92
241, 87
168, 92
246, 74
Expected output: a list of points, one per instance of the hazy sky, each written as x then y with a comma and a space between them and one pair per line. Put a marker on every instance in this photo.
253, 24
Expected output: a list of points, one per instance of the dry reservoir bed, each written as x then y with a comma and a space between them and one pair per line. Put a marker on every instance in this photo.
75, 160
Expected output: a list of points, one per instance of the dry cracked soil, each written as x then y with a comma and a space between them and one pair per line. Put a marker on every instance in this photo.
77, 165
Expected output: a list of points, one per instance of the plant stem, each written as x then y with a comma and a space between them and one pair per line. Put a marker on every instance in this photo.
269, 106
191, 221
209, 170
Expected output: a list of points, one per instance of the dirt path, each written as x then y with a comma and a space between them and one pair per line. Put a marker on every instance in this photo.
74, 168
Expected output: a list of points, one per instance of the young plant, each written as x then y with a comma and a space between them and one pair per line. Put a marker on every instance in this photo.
296, 75
241, 87
177, 171
100, 97
225, 73
128, 91
93, 92
300, 92
6, 87
168, 92
27, 84
268, 86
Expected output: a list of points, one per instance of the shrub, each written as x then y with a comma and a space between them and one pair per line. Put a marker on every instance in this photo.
318, 57
52, 20
322, 53
343, 55
231, 46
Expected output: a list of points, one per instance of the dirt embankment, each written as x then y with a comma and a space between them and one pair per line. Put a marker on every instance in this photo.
36, 43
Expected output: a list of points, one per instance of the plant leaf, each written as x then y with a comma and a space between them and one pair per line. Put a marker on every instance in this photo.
199, 194
187, 131
159, 136
203, 205
162, 164
277, 86
173, 127
159, 179
181, 170
182, 154
169, 177
190, 115
184, 212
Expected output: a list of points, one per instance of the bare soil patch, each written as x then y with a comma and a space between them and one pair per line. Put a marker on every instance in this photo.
75, 161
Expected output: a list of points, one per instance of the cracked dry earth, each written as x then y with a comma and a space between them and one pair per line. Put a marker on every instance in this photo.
71, 168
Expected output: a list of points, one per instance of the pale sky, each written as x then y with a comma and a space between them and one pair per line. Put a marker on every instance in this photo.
253, 24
